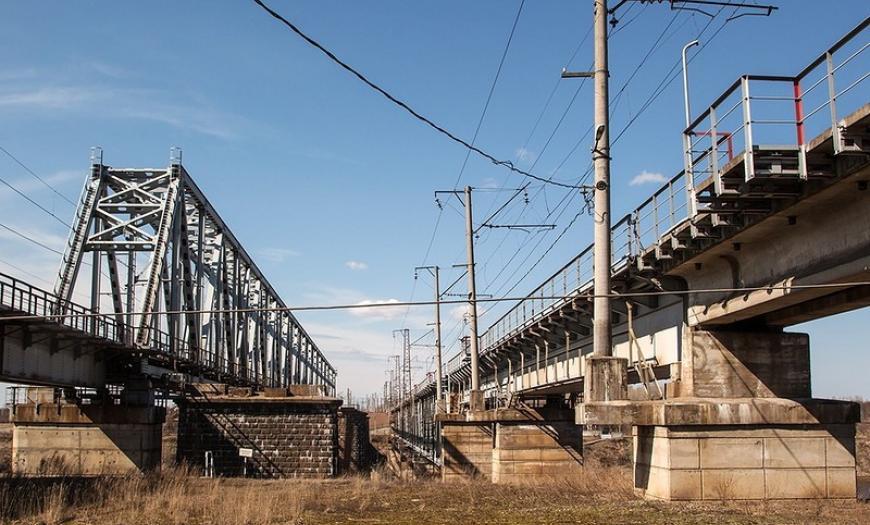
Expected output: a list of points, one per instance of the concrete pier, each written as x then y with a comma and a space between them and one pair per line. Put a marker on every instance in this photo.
64, 438
510, 445
741, 424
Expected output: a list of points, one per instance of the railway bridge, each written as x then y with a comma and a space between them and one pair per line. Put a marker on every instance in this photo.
767, 226
175, 300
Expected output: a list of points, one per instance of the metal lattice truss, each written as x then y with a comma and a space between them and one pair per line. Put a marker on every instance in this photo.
199, 300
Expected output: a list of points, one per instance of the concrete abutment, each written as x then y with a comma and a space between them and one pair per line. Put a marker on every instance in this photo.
61, 438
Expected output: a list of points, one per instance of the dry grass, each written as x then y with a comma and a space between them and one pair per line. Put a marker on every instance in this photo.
601, 494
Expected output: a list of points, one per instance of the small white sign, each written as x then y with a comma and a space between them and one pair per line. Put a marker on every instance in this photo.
246, 452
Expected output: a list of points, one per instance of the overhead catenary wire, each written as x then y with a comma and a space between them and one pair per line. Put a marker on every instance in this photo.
555, 297
653, 47
656, 92
37, 177
491, 91
405, 106
33, 202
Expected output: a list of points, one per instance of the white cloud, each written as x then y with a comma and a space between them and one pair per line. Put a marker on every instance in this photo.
648, 177
459, 312
489, 182
383, 312
48, 98
524, 155
356, 265
132, 103
31, 185
276, 255
49, 239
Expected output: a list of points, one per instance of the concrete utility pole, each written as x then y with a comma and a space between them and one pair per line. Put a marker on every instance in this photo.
601, 328
472, 296
435, 271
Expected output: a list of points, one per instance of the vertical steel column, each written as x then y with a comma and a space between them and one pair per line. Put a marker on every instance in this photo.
799, 128
748, 155
836, 136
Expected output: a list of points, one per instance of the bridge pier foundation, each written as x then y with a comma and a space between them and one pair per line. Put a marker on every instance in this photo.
52, 437
740, 424
510, 445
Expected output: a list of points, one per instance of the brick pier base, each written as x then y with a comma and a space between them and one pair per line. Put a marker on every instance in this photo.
286, 437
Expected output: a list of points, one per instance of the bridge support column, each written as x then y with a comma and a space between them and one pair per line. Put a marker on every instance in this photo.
466, 449
509, 445
739, 424
51, 437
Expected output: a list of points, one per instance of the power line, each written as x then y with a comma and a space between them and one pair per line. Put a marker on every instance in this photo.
37, 177
656, 92
491, 91
554, 297
31, 201
504, 163
31, 239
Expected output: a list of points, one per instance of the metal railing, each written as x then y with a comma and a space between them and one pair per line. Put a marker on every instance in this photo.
726, 130
762, 110
19, 296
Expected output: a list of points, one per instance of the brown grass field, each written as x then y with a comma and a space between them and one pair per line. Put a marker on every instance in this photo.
602, 495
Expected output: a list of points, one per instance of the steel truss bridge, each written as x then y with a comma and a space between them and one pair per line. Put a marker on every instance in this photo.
750, 166
173, 293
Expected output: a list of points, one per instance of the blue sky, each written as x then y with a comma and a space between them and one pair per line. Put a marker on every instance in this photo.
328, 185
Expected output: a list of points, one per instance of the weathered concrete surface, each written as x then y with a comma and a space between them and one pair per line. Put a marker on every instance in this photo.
286, 436
745, 462
712, 411
828, 242
731, 364
466, 450
862, 441
85, 440
606, 379
530, 452
510, 445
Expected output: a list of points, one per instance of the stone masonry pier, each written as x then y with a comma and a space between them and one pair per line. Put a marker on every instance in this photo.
274, 434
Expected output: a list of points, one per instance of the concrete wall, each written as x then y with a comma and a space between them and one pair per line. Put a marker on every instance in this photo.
729, 364
862, 441
745, 462
289, 437
829, 242
466, 450
40, 363
87, 440
536, 452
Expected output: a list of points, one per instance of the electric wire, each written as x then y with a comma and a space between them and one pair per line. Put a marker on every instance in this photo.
553, 297
37, 177
504, 163
33, 202
491, 91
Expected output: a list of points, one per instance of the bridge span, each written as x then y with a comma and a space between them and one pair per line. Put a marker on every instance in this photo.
183, 300
178, 310
767, 226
